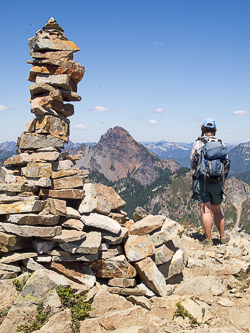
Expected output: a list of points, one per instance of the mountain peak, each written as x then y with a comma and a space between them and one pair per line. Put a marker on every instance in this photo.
117, 155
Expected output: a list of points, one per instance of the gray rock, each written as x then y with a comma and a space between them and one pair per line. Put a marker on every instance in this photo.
147, 225
10, 268
31, 231
113, 267
68, 236
163, 255
22, 207
199, 285
7, 275
62, 81
34, 141
100, 198
32, 265
115, 239
71, 223
72, 213
122, 283
62, 165
193, 308
58, 323
101, 222
33, 219
14, 257
90, 245
138, 247
42, 246
140, 300
35, 290
151, 276
169, 231
126, 291
140, 213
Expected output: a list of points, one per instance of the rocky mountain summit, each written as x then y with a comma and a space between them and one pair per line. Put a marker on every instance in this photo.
150, 276
117, 154
70, 258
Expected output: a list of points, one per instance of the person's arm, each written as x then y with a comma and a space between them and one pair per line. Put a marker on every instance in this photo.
195, 153
193, 157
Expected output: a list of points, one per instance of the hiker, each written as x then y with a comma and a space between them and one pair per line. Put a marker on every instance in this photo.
208, 191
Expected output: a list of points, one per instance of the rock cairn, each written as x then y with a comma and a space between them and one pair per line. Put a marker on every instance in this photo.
51, 216
52, 219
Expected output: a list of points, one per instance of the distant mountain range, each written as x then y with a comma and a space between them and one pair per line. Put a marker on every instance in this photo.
70, 144
179, 152
160, 185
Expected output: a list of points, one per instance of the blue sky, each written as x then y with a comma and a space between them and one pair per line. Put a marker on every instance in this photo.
154, 67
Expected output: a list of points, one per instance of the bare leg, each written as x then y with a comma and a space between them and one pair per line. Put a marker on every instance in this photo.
206, 218
218, 219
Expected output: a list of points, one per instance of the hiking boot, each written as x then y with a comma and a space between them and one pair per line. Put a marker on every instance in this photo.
225, 240
206, 242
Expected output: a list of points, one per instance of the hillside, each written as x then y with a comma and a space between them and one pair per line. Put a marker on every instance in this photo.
117, 155
240, 158
170, 195
245, 176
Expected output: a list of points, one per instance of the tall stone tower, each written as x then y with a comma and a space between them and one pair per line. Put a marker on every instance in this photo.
56, 76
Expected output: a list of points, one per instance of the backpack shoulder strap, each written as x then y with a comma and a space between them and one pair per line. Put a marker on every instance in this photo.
202, 139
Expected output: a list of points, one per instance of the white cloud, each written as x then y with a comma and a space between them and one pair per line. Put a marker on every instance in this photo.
158, 43
80, 127
153, 122
159, 110
5, 108
241, 113
102, 109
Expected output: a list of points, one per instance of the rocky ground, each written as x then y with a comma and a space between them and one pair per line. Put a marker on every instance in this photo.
214, 288
71, 260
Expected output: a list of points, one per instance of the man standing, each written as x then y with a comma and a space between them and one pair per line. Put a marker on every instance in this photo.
208, 193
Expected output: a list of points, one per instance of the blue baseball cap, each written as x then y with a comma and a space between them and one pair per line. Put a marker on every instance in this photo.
209, 122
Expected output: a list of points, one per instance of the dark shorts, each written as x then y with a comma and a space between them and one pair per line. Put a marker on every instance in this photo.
212, 193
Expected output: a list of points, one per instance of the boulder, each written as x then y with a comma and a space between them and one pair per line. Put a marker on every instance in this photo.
33, 219
90, 245
67, 182
117, 267
34, 291
70, 223
138, 247
62, 194
34, 141
25, 158
100, 198
147, 225
31, 231
151, 276
36, 169
101, 222
75, 271
9, 242
22, 207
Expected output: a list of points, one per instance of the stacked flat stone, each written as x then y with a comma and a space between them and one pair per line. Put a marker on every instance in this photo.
56, 76
52, 217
